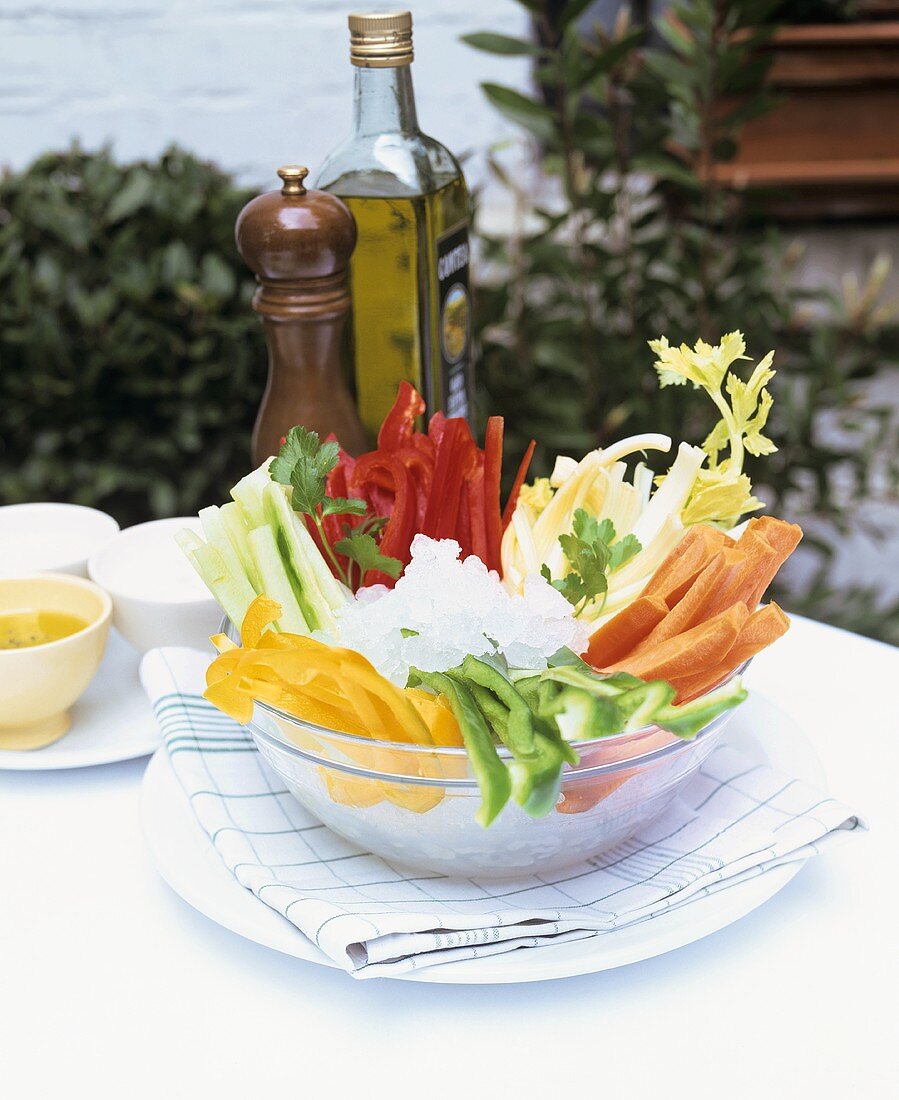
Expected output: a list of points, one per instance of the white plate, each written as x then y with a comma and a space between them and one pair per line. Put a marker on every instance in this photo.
191, 866
112, 721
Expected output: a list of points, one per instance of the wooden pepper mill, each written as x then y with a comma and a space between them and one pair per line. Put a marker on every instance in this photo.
298, 244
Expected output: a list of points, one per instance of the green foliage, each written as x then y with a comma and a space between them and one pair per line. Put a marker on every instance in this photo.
632, 237
131, 364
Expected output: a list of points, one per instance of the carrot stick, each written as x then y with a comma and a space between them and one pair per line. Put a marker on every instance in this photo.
743, 567
577, 798
690, 610
621, 634
704, 646
783, 538
686, 561
758, 632
761, 629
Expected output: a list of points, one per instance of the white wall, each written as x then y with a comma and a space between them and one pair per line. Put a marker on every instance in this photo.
251, 84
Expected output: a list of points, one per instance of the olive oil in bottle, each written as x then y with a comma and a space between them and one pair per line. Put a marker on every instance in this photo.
411, 312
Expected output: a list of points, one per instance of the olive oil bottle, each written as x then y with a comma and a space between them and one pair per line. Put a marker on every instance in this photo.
409, 275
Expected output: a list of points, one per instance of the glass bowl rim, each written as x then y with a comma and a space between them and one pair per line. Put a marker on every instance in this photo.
570, 774
459, 751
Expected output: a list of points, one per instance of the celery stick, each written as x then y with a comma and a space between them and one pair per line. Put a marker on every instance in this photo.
275, 582
233, 591
236, 528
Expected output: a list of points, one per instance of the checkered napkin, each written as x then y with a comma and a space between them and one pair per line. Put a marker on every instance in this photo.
734, 821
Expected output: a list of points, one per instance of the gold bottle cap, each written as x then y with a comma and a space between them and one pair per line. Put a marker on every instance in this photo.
380, 40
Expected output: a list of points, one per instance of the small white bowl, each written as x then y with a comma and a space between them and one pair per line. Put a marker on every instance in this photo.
39, 683
157, 597
51, 538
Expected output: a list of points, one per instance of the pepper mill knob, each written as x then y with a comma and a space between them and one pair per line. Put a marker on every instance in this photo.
293, 176
298, 243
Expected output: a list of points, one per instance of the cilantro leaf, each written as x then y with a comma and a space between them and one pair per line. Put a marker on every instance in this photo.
571, 586
341, 506
363, 550
304, 463
622, 551
592, 554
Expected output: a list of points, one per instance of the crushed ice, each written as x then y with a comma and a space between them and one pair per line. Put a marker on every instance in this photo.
442, 609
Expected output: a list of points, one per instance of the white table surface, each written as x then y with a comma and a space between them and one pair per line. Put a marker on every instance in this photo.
111, 986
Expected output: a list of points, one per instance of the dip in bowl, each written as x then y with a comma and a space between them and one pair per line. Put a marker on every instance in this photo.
54, 630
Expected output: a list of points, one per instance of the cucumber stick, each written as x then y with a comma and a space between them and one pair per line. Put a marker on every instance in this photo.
248, 494
314, 586
275, 581
237, 530
231, 589
218, 537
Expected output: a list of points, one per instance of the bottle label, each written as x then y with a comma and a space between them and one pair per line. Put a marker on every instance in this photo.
454, 320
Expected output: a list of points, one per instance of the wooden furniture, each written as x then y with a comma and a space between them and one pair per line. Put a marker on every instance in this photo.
298, 243
831, 146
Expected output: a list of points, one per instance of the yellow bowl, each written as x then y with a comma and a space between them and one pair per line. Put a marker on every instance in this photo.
40, 683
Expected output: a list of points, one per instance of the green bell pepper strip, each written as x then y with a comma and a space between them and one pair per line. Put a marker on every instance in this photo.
536, 778
591, 681
520, 727
640, 706
581, 716
689, 718
492, 776
494, 712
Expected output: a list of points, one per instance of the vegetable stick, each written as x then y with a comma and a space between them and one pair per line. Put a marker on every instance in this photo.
493, 460
685, 562
619, 636
738, 578
518, 482
704, 645
761, 629
577, 798
783, 538
690, 611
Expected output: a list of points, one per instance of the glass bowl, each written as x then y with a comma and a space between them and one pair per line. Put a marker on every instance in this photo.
416, 805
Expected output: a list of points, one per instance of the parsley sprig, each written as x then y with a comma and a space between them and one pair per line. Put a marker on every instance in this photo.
303, 464
593, 553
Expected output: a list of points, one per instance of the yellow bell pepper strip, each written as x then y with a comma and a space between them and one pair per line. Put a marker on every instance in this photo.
490, 772
349, 790
438, 716
330, 687
261, 613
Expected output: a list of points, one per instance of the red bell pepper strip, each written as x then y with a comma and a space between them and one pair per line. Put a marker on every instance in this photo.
334, 525
436, 428
517, 483
396, 538
399, 424
463, 526
493, 462
453, 456
478, 523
